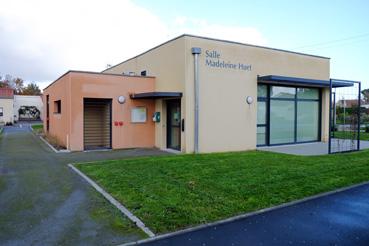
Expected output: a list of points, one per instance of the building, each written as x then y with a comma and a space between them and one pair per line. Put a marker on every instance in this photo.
350, 103
194, 94
31, 107
6, 106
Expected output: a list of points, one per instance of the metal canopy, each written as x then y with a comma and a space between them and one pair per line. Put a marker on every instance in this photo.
283, 80
156, 95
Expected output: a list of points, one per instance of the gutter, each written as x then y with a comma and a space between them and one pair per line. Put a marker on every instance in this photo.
196, 52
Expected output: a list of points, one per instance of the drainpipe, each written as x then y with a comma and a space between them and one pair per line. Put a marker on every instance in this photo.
196, 52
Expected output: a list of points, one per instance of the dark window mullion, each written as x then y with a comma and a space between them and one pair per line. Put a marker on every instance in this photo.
267, 135
295, 130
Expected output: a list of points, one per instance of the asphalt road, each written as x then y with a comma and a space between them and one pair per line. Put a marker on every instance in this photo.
43, 202
338, 219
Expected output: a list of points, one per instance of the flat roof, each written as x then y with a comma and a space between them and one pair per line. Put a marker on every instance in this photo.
217, 40
98, 73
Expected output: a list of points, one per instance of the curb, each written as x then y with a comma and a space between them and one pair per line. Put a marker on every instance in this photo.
114, 202
52, 147
246, 215
47, 143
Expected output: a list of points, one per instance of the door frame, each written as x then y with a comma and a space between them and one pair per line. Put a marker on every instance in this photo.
109, 101
168, 124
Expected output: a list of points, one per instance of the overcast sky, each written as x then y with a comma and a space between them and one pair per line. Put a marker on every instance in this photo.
40, 40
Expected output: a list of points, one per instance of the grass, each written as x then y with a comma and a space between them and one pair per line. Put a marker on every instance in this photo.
103, 212
173, 192
38, 128
349, 135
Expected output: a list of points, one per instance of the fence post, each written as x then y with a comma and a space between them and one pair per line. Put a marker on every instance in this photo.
330, 117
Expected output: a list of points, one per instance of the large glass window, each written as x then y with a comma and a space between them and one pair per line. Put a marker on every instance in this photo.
282, 121
261, 135
307, 93
262, 90
307, 121
282, 92
294, 114
261, 112
262, 115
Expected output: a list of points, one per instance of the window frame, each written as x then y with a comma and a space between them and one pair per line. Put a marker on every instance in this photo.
136, 108
268, 100
57, 107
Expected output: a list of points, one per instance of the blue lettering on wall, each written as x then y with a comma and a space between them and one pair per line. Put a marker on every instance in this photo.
213, 59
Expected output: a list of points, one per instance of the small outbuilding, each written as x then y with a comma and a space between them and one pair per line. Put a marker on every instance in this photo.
86, 111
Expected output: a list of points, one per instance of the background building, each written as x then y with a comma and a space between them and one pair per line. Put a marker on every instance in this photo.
6, 106
10, 105
32, 107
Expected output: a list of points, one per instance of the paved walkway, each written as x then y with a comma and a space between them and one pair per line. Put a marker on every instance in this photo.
316, 148
42, 202
338, 219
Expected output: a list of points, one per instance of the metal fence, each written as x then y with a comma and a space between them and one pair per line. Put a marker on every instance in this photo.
345, 116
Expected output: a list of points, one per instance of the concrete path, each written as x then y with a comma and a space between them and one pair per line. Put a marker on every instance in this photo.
338, 219
42, 202
316, 148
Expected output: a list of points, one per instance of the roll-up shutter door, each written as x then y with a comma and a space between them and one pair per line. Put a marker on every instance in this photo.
97, 124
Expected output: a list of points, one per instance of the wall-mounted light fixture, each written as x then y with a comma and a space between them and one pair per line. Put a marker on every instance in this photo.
121, 99
249, 100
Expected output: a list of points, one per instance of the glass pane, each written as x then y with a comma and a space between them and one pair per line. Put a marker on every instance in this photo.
173, 125
261, 112
175, 137
307, 93
282, 92
175, 119
261, 134
262, 91
282, 121
307, 121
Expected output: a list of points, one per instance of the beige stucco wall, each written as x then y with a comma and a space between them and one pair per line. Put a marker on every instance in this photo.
7, 105
227, 122
325, 115
167, 64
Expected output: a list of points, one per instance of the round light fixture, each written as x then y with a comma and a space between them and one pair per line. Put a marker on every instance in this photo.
249, 100
121, 99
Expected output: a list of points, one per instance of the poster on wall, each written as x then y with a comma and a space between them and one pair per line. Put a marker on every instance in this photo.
138, 115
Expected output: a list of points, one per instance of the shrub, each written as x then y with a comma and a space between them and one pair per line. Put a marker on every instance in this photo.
54, 141
367, 128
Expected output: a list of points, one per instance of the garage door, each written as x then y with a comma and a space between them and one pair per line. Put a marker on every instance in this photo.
97, 124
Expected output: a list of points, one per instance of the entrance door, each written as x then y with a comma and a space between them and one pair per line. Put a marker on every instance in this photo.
174, 124
97, 124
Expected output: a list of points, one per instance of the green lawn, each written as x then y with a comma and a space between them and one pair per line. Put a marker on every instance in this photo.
38, 128
349, 135
173, 192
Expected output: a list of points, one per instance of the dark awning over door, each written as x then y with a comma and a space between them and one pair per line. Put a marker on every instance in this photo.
156, 95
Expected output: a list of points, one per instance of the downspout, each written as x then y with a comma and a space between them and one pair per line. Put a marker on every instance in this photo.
196, 52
